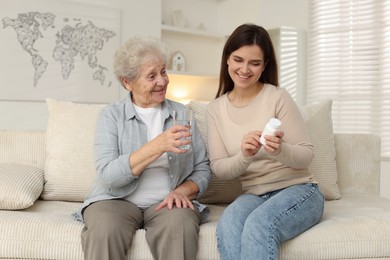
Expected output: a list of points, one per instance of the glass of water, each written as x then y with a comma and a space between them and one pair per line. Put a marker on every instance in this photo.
183, 117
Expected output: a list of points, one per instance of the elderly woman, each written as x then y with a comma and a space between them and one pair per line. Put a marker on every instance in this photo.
144, 180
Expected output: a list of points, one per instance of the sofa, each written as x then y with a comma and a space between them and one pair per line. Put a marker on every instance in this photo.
44, 176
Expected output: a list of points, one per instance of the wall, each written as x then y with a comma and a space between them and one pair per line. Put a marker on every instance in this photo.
269, 14
277, 13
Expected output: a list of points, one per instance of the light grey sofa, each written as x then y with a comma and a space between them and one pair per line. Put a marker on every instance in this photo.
36, 221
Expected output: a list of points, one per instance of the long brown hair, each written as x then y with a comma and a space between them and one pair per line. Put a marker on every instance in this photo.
248, 34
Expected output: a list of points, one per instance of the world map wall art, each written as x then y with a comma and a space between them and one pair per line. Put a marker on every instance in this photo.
58, 49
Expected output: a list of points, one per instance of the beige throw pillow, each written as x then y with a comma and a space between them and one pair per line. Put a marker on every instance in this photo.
318, 120
218, 191
20, 186
70, 164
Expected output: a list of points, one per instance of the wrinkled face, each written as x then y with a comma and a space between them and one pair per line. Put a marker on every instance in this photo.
149, 89
245, 66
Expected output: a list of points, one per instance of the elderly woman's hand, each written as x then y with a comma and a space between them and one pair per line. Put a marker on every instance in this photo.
175, 199
167, 141
171, 139
181, 197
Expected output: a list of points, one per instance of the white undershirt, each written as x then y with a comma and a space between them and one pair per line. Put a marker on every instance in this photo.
154, 184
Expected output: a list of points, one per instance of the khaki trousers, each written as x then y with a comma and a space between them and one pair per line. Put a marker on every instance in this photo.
110, 226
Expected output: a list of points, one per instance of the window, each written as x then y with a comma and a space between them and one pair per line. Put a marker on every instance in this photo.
349, 62
290, 50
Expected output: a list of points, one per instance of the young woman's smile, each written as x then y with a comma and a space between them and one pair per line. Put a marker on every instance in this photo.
245, 66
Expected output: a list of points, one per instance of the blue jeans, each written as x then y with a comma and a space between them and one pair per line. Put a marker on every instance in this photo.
253, 227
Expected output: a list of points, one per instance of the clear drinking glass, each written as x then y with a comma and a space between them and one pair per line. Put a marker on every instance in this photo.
183, 117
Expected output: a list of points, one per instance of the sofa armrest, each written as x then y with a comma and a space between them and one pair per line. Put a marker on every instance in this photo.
358, 163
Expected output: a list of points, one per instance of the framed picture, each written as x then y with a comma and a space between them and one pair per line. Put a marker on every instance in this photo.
58, 49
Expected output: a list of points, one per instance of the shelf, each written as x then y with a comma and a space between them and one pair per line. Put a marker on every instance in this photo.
199, 33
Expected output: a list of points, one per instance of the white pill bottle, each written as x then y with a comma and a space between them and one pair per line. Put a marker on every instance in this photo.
270, 128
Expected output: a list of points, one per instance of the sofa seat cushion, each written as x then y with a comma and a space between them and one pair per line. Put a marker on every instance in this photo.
47, 231
351, 228
44, 231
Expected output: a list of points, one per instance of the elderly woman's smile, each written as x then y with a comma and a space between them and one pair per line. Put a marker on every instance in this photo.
149, 89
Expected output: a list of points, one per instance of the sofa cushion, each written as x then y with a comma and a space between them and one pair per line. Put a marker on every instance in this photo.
20, 186
69, 165
46, 230
218, 191
318, 120
355, 227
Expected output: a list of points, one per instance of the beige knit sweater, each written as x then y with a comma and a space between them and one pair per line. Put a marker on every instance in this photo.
262, 172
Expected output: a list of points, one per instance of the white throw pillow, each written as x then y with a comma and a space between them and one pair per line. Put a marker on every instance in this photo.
20, 186
70, 164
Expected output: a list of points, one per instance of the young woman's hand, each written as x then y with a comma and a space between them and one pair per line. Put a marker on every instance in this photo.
273, 143
250, 144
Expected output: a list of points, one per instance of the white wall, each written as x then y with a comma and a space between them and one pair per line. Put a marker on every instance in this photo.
266, 13
232, 13
140, 18
278, 13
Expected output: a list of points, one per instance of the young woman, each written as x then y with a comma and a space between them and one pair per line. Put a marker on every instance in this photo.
281, 198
